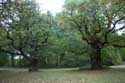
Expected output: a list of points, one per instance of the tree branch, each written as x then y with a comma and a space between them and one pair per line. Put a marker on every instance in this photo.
113, 29
121, 28
6, 51
120, 46
114, 24
80, 30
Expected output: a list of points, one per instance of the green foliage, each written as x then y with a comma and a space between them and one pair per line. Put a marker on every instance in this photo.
111, 56
122, 53
64, 40
75, 60
4, 59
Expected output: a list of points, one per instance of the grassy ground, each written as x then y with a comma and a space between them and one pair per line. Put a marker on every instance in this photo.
114, 75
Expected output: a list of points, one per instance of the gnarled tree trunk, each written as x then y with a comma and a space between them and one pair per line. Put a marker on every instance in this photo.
96, 60
33, 65
12, 61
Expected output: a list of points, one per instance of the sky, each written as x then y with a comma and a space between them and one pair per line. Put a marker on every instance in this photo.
53, 6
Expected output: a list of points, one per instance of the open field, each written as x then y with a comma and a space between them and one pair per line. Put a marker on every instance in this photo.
113, 75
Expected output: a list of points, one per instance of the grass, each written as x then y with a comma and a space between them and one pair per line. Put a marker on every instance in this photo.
114, 75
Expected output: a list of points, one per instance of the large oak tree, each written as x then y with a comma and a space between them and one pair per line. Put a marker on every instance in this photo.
99, 23
24, 30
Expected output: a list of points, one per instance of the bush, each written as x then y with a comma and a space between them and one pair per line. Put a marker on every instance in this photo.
111, 56
3, 59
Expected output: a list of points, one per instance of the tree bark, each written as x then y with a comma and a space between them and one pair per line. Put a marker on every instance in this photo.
61, 58
96, 60
33, 65
12, 61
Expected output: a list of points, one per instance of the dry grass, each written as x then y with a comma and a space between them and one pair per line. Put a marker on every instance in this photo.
115, 75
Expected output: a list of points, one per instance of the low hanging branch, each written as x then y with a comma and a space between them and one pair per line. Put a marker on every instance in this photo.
115, 45
6, 51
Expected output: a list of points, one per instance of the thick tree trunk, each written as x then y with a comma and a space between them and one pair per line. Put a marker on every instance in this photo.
20, 62
12, 61
96, 61
33, 65
61, 58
